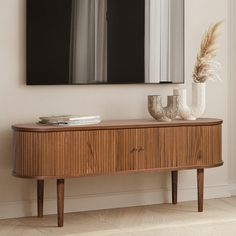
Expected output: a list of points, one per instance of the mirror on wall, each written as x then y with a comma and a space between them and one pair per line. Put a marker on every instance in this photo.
105, 41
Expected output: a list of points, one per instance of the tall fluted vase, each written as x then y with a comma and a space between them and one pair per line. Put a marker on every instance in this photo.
197, 109
198, 99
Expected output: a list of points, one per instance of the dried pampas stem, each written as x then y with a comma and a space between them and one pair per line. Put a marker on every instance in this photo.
206, 68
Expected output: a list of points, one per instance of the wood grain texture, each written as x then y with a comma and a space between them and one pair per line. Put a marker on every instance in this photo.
174, 182
64, 153
60, 202
40, 197
116, 124
175, 147
200, 188
76, 153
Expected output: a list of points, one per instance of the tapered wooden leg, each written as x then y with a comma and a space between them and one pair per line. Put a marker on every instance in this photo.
200, 187
40, 196
174, 179
60, 202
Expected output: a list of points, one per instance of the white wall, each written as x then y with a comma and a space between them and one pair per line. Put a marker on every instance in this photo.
20, 104
232, 96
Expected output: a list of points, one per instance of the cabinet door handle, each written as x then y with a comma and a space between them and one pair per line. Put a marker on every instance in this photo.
141, 149
134, 150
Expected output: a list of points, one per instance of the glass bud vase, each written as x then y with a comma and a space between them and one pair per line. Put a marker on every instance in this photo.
184, 111
198, 99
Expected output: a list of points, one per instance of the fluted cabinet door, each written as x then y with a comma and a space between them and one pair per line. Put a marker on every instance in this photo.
70, 154
90, 152
148, 143
168, 148
186, 147
137, 149
126, 149
173, 146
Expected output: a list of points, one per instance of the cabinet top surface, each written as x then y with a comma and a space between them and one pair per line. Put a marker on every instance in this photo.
116, 124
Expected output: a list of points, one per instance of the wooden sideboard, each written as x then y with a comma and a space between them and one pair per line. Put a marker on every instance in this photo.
115, 147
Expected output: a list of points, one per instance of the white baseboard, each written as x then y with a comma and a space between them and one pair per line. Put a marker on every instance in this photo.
110, 200
232, 189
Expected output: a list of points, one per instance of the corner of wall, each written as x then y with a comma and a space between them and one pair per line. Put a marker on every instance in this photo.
232, 94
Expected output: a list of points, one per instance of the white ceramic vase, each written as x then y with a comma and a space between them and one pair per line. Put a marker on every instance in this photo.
171, 111
155, 108
198, 99
184, 111
198, 106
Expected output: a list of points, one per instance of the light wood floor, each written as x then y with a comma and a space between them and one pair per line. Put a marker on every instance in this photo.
218, 219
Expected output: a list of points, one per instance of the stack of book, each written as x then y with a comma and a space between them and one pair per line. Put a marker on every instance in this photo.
70, 120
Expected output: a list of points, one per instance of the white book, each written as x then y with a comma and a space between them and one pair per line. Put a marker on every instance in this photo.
67, 118
80, 123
